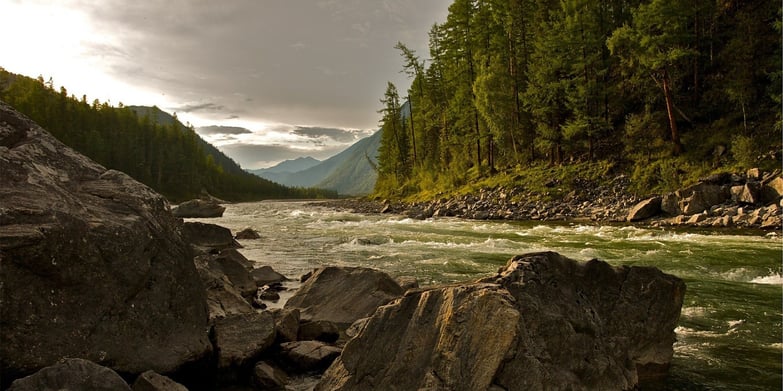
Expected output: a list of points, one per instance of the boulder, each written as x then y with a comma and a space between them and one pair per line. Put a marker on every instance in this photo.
309, 355
343, 294
645, 209
544, 322
772, 190
751, 193
237, 274
319, 330
198, 209
265, 275
223, 298
236, 256
670, 204
241, 339
152, 381
268, 377
700, 197
754, 174
208, 238
247, 234
286, 324
72, 374
93, 264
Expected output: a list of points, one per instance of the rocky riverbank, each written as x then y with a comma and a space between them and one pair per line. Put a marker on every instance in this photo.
746, 200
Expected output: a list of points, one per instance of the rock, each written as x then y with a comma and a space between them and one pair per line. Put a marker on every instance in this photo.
241, 339
721, 178
309, 355
198, 209
237, 274
72, 374
670, 204
151, 381
772, 190
771, 222
700, 197
319, 330
644, 210
223, 298
265, 275
736, 192
407, 282
751, 193
754, 174
698, 218
247, 234
544, 322
343, 294
208, 238
268, 377
356, 327
236, 256
93, 265
286, 324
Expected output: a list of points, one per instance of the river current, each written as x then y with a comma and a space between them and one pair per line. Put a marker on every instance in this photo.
730, 331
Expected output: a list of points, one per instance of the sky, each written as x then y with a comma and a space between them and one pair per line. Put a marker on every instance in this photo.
269, 80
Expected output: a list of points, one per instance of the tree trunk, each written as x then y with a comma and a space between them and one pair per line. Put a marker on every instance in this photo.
670, 112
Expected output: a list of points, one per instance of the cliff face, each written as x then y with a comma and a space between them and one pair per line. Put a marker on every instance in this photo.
92, 264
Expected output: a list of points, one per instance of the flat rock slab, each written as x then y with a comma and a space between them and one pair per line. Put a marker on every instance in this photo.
72, 374
241, 339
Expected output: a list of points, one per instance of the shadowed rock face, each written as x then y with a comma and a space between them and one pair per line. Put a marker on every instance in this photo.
93, 265
545, 322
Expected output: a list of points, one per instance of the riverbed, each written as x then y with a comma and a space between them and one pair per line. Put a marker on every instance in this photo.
729, 335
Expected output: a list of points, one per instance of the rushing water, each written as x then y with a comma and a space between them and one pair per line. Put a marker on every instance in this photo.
729, 335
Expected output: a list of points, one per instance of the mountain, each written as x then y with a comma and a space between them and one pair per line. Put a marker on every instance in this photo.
288, 166
161, 117
350, 172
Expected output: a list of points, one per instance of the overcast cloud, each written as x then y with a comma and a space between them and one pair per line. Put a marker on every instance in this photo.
319, 66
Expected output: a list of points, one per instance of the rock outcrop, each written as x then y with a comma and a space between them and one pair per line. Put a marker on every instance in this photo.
199, 209
153, 381
93, 264
342, 295
544, 322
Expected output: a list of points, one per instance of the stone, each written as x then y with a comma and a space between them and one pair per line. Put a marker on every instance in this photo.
736, 192
286, 324
241, 339
698, 218
309, 355
772, 190
223, 298
543, 322
198, 209
319, 330
408, 282
751, 193
236, 256
343, 294
700, 197
268, 377
72, 374
650, 207
208, 238
93, 264
670, 204
771, 222
754, 174
247, 234
237, 274
152, 381
265, 275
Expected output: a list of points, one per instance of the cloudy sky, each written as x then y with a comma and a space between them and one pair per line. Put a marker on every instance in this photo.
304, 77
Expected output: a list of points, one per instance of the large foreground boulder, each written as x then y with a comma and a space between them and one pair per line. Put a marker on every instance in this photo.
342, 295
93, 265
545, 322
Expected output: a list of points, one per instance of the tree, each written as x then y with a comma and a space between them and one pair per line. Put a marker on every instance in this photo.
656, 44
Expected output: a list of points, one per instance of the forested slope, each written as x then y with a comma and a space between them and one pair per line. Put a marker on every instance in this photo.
169, 158
663, 91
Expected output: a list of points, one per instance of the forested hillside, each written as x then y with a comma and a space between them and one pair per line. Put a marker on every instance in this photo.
169, 158
662, 90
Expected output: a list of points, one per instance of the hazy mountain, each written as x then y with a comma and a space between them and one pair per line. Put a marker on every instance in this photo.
350, 172
288, 166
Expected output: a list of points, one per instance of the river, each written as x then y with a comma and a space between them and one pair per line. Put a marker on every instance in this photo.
730, 332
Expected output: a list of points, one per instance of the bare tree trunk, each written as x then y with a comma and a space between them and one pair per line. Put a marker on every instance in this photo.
670, 112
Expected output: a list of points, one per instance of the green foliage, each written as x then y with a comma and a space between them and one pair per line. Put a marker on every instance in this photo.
657, 88
168, 157
745, 151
